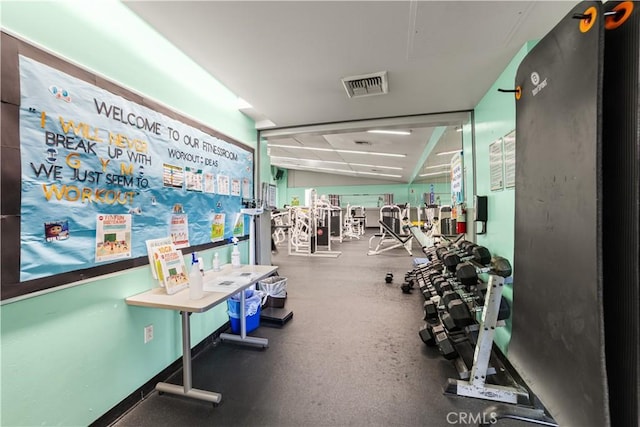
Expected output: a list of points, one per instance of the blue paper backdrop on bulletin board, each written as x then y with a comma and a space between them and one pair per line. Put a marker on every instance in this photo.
102, 174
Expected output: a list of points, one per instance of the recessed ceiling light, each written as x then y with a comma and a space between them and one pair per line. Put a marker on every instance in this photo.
390, 132
335, 162
434, 173
438, 166
346, 171
331, 150
444, 153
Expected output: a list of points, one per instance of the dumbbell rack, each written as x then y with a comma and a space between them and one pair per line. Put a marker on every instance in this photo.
476, 386
474, 337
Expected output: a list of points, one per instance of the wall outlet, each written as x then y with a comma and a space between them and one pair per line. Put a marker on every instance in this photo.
148, 333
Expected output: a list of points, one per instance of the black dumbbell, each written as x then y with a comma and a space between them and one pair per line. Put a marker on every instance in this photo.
426, 334
430, 310
450, 261
464, 245
406, 288
428, 293
469, 248
466, 274
449, 296
501, 266
422, 283
432, 275
481, 255
388, 278
445, 287
440, 252
460, 313
448, 323
437, 283
436, 263
444, 342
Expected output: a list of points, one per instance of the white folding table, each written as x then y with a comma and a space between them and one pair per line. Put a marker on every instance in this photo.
219, 286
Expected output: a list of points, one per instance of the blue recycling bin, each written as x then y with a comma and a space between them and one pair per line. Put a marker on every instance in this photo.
252, 304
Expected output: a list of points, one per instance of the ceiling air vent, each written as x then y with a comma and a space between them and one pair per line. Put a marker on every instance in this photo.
366, 85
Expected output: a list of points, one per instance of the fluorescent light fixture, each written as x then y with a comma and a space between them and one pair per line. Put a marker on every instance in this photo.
337, 163
375, 166
438, 166
354, 172
331, 150
434, 173
444, 153
390, 132
344, 171
459, 129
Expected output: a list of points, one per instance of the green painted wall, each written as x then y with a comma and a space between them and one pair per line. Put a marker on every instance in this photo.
69, 356
495, 116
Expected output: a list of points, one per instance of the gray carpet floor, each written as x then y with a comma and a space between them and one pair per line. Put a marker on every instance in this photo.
350, 356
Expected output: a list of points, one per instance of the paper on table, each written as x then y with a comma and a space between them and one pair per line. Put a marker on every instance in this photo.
229, 282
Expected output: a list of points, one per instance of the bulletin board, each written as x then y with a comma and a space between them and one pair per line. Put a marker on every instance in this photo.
97, 170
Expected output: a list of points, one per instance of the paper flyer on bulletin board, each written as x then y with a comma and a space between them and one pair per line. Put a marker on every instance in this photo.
113, 237
223, 185
246, 189
88, 153
179, 230
238, 225
217, 227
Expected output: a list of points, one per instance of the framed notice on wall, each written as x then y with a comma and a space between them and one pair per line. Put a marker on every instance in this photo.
457, 182
496, 170
510, 159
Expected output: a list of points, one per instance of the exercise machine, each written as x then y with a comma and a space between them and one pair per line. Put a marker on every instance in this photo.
390, 237
311, 227
393, 216
354, 222
281, 221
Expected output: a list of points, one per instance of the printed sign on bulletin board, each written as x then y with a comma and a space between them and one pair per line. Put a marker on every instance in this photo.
102, 174
496, 171
510, 160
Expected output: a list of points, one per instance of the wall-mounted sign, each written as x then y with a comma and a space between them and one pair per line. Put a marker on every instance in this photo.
496, 167
510, 159
457, 175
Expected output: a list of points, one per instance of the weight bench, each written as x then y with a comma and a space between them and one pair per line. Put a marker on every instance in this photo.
401, 241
